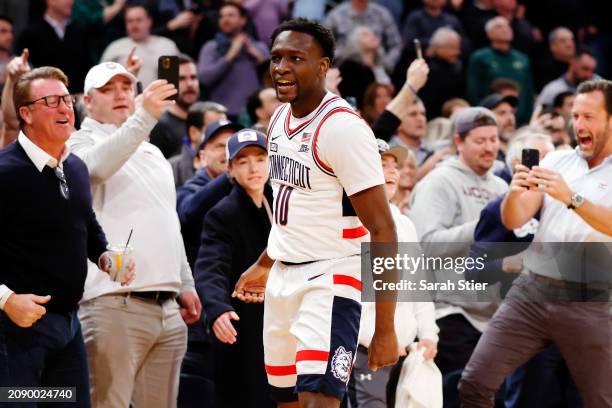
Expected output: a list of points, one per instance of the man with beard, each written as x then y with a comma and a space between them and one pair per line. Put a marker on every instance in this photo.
581, 68
553, 303
169, 134
446, 205
504, 109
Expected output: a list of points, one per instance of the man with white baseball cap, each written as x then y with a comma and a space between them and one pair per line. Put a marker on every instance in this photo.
140, 329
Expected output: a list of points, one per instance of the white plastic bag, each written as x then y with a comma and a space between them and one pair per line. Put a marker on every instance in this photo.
420, 382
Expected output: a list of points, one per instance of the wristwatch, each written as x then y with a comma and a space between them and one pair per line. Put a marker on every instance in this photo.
577, 201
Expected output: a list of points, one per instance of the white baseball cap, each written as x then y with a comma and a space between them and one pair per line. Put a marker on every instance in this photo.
100, 74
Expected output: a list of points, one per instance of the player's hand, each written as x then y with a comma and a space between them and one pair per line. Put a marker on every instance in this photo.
191, 307
383, 350
154, 97
417, 74
25, 310
552, 183
431, 348
251, 286
224, 329
18, 66
133, 63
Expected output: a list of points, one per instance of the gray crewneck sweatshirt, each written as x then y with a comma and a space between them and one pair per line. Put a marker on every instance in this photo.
446, 206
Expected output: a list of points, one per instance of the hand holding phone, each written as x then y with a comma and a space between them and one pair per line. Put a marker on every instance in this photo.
168, 69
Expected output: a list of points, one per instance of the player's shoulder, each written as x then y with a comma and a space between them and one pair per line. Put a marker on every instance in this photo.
338, 113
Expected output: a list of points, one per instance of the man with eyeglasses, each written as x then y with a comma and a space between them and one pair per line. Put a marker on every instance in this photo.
48, 230
141, 329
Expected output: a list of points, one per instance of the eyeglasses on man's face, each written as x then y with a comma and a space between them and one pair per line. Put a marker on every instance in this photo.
59, 173
53, 101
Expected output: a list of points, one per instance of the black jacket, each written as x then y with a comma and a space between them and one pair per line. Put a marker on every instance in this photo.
234, 234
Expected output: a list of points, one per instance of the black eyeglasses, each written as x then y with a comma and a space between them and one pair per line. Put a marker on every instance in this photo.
53, 101
63, 184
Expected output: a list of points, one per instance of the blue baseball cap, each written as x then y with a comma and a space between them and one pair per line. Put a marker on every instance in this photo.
217, 126
245, 138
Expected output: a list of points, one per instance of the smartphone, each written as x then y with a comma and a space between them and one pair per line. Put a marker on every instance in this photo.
417, 49
168, 69
530, 157
547, 108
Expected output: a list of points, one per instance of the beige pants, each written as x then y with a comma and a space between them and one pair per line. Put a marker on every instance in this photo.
135, 348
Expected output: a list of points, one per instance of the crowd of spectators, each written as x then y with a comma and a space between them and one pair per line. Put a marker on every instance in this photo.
516, 65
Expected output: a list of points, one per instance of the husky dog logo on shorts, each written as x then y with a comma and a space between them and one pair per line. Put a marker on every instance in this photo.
341, 364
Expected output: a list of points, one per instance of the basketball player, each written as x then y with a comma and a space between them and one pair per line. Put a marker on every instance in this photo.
329, 197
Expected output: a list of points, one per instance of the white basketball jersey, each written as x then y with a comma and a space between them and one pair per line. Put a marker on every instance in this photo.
316, 163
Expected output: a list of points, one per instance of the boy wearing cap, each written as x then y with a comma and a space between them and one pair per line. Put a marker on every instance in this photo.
135, 337
411, 318
190, 196
446, 206
235, 232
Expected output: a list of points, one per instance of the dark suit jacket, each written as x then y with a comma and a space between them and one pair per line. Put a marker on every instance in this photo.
71, 54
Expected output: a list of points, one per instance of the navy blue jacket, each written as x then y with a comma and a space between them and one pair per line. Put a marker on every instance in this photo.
193, 201
45, 240
234, 235
489, 233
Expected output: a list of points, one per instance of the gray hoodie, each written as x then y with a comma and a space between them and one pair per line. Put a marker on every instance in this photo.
446, 206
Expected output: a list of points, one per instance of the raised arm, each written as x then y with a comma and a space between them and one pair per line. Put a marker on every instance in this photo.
15, 69
105, 158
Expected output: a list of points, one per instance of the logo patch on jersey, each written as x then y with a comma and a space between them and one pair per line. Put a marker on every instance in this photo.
306, 137
275, 137
303, 149
273, 147
341, 364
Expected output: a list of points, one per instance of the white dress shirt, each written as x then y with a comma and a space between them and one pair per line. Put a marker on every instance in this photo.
559, 224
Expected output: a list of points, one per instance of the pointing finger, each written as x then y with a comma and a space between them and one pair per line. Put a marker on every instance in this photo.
131, 54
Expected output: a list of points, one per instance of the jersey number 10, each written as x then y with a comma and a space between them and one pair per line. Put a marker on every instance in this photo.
281, 207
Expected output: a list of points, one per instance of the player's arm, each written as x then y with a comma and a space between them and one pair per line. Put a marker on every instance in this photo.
372, 208
251, 285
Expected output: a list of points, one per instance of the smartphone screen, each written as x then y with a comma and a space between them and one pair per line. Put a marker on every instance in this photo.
417, 49
168, 69
530, 157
